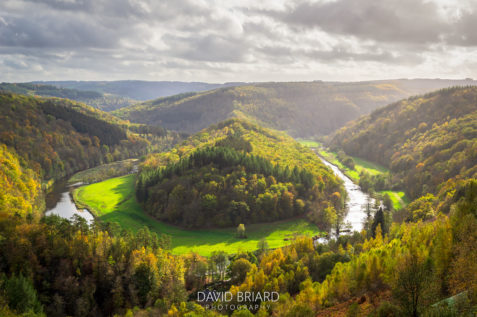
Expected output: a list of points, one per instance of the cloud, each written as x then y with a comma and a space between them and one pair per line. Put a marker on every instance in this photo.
207, 48
465, 31
390, 21
51, 31
212, 40
387, 21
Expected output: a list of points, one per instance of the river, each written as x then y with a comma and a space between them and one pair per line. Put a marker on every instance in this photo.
356, 199
59, 202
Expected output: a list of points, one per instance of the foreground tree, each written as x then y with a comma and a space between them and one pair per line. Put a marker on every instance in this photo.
239, 269
413, 284
241, 231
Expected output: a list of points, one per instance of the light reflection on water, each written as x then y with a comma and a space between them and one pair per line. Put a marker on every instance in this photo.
59, 202
356, 199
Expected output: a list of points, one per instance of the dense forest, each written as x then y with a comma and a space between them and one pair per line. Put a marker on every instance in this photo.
237, 172
60, 268
424, 140
423, 266
47, 139
102, 101
302, 109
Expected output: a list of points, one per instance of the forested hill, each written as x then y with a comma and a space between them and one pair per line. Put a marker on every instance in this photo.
425, 140
237, 172
303, 109
139, 89
102, 101
57, 137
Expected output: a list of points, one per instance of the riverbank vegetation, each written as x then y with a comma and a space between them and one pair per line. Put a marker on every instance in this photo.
105, 171
373, 178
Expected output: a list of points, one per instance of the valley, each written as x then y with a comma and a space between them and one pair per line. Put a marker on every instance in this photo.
311, 158
113, 201
302, 109
237, 205
355, 202
398, 198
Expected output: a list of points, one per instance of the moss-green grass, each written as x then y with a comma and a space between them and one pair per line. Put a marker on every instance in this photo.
399, 199
113, 200
309, 143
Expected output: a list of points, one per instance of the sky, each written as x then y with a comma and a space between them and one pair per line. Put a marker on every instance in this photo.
237, 40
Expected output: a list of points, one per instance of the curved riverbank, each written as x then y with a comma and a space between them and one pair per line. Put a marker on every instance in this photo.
59, 201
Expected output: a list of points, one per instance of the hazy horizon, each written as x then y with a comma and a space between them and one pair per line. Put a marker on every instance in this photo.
244, 82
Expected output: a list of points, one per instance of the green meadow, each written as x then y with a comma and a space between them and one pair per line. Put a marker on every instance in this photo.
113, 200
399, 199
309, 143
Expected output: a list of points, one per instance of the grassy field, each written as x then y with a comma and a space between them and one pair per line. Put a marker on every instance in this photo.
398, 198
113, 200
309, 143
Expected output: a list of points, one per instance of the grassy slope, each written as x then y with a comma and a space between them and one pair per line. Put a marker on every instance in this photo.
113, 200
398, 198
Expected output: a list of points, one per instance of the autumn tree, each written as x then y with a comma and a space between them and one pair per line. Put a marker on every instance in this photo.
238, 270
241, 231
413, 283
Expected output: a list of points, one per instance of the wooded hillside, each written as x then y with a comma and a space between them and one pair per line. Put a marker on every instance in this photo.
424, 140
57, 137
303, 109
99, 100
237, 172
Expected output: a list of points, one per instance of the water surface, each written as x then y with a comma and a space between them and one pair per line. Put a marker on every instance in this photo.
59, 202
356, 201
